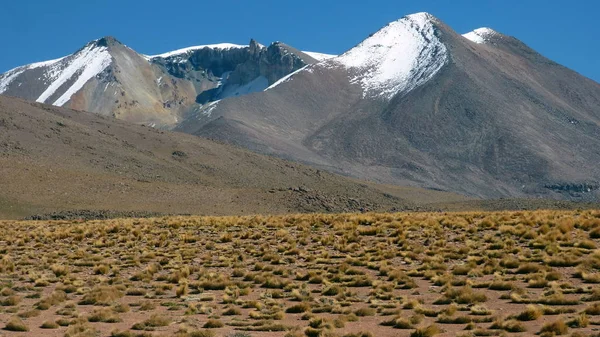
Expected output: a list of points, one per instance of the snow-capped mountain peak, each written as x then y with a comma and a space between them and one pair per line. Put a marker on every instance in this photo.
481, 35
63, 77
398, 58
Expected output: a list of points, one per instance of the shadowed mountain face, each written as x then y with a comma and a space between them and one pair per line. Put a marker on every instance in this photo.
418, 104
111, 79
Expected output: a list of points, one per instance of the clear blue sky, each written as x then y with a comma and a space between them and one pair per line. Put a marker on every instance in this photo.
37, 30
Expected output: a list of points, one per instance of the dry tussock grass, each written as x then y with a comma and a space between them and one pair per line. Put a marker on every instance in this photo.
417, 274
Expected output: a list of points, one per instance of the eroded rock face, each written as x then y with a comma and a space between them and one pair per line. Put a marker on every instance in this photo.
221, 72
273, 62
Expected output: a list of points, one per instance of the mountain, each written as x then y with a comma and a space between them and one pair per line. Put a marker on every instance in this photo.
111, 79
419, 104
414, 104
54, 159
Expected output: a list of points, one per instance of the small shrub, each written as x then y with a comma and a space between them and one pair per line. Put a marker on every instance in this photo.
11, 301
558, 299
528, 268
581, 321
590, 277
365, 312
135, 292
428, 331
593, 309
182, 290
464, 295
479, 310
510, 326
104, 315
81, 330
232, 312
332, 291
510, 263
56, 297
59, 270
101, 269
402, 323
153, 322
298, 308
501, 285
63, 322
312, 332
120, 308
555, 328
454, 320
15, 324
360, 281
49, 325
148, 306
586, 244
213, 324
531, 313
101, 296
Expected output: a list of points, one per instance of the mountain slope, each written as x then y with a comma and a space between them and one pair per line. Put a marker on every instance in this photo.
57, 159
419, 104
111, 79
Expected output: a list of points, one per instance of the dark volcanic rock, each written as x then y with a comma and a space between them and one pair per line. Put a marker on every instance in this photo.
215, 71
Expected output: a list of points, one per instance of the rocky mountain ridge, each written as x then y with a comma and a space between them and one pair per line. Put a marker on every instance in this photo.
109, 78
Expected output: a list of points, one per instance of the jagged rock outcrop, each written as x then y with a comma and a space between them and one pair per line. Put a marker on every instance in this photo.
221, 71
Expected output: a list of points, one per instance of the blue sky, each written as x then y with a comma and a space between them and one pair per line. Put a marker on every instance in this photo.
37, 30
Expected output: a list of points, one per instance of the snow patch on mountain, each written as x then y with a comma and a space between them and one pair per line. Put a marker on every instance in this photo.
189, 49
319, 56
207, 109
398, 58
286, 78
45, 63
94, 64
481, 35
85, 64
7, 78
258, 84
